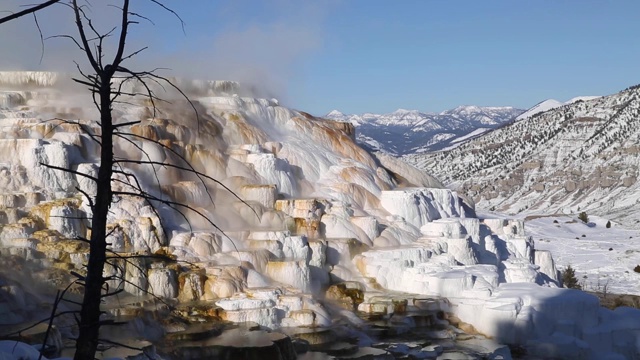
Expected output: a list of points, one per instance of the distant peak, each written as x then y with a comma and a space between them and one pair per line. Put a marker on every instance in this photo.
540, 107
550, 101
547, 104
462, 108
471, 109
334, 113
405, 112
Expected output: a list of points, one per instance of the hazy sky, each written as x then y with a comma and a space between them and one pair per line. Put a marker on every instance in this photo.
371, 55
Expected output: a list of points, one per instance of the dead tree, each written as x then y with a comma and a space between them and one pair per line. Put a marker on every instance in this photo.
101, 85
106, 85
105, 81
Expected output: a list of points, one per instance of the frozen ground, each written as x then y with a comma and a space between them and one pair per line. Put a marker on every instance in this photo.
601, 256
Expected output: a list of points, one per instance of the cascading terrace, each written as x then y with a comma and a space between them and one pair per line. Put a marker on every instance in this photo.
332, 250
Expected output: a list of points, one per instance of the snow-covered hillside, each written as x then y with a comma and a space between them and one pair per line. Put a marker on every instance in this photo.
582, 156
551, 104
410, 131
603, 257
331, 245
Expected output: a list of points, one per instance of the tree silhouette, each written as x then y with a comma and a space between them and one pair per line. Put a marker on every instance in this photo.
106, 85
106, 81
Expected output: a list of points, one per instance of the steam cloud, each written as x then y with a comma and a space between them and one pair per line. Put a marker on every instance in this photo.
265, 52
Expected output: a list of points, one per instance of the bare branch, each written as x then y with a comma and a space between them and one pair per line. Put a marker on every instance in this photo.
17, 332
135, 53
171, 11
35, 18
89, 198
152, 75
28, 11
189, 167
67, 37
174, 204
127, 124
124, 346
142, 17
83, 37
199, 174
69, 171
145, 154
123, 37
59, 297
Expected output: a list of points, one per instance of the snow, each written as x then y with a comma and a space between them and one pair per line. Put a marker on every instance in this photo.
582, 98
335, 114
581, 156
551, 104
420, 130
540, 107
475, 132
596, 266
457, 141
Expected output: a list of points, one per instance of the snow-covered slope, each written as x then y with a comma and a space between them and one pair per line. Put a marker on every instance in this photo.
410, 131
319, 213
582, 156
551, 104
540, 107
603, 257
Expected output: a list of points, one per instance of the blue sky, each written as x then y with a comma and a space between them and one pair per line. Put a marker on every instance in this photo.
377, 56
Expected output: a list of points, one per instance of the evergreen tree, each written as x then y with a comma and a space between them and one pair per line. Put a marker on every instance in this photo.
569, 279
583, 217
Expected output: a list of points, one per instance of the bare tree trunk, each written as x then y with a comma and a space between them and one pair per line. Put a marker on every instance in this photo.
91, 41
90, 314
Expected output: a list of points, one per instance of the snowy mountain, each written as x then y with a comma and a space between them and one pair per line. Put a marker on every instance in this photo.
550, 104
580, 156
410, 131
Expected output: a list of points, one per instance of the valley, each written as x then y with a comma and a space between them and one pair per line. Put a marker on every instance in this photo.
404, 132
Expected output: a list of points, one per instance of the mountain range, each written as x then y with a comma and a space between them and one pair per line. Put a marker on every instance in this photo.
582, 155
410, 131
